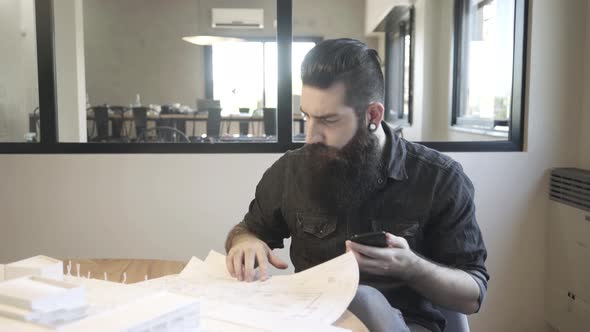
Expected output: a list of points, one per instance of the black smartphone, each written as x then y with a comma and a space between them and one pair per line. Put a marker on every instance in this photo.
373, 239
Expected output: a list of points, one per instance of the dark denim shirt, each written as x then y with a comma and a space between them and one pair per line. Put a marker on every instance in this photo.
424, 197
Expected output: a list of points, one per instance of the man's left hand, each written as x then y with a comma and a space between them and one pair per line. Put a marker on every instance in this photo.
397, 260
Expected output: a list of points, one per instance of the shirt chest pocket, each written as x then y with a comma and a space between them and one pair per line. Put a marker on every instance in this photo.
315, 226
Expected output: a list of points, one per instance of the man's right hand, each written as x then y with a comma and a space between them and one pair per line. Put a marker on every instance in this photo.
246, 253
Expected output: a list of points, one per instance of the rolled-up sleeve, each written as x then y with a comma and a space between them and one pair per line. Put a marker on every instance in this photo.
453, 235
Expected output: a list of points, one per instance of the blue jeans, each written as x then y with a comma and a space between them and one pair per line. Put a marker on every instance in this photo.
373, 309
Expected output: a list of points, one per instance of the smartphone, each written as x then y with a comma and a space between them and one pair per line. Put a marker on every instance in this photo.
373, 239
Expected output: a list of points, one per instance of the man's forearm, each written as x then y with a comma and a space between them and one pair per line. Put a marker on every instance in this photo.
238, 231
451, 288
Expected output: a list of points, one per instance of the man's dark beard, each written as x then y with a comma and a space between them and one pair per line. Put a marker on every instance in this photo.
341, 180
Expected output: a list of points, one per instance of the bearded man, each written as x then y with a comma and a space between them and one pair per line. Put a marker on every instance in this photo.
356, 175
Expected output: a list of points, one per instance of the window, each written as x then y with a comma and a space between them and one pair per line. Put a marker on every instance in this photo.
299, 51
19, 94
239, 82
252, 81
484, 64
250, 84
399, 58
136, 56
408, 73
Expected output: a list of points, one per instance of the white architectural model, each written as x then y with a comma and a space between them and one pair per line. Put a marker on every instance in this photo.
203, 297
39, 266
39, 304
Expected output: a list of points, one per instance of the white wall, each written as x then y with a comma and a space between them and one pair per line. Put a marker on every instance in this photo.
135, 46
512, 188
99, 206
70, 66
434, 105
584, 141
421, 50
377, 10
174, 206
441, 79
18, 68
432, 72
329, 18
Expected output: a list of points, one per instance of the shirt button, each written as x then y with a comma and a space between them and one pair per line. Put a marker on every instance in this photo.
380, 181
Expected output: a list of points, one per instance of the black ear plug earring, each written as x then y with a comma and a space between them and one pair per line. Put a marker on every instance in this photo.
372, 127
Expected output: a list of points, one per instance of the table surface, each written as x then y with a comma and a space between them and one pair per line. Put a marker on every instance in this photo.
137, 269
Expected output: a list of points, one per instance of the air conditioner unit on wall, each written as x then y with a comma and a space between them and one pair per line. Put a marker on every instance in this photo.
567, 292
237, 18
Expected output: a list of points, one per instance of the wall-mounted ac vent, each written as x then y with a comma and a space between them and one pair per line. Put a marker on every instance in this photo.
570, 186
237, 18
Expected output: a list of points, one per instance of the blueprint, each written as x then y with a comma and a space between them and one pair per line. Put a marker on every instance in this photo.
309, 300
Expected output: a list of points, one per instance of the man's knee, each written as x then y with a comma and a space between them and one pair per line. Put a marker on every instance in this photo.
373, 309
368, 294
367, 299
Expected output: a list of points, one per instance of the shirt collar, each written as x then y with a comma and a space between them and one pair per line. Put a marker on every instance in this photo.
395, 153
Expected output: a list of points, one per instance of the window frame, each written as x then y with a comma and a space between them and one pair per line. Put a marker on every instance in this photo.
48, 101
519, 56
395, 71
